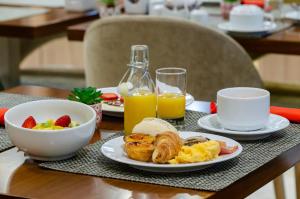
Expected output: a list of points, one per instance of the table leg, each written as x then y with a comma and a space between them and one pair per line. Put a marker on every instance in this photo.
297, 178
279, 187
10, 57
13, 51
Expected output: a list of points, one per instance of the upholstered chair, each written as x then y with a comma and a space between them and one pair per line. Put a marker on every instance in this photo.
213, 60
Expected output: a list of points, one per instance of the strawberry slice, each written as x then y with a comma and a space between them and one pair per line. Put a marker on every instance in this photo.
63, 121
109, 96
226, 149
29, 123
2, 112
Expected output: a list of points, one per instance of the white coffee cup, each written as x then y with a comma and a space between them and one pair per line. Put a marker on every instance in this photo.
247, 17
138, 7
243, 108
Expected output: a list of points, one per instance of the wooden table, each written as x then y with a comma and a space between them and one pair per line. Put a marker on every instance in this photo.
20, 36
284, 42
29, 180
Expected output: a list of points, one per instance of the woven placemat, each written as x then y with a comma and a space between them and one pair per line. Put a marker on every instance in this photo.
90, 161
9, 100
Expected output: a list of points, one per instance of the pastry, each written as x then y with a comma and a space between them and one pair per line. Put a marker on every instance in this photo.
153, 139
139, 137
141, 151
139, 146
167, 146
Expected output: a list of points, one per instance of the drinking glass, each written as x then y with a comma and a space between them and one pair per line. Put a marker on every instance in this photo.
171, 90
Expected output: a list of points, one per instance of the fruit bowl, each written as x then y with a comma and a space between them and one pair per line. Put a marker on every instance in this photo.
50, 145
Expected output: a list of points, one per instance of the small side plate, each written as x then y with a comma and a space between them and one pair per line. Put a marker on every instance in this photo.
276, 123
268, 26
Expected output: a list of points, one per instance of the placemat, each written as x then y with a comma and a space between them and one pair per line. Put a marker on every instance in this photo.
10, 13
90, 161
9, 100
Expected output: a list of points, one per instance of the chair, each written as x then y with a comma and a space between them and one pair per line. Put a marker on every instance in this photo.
213, 60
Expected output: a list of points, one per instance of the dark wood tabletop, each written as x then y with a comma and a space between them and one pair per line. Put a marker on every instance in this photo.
286, 41
54, 21
31, 181
283, 42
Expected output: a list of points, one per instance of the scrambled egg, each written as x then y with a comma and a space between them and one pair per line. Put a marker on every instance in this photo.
48, 125
197, 153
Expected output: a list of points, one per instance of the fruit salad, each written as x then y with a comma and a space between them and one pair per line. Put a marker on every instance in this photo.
60, 123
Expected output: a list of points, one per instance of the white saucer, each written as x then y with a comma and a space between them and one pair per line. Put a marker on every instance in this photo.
293, 15
118, 111
113, 149
275, 123
268, 26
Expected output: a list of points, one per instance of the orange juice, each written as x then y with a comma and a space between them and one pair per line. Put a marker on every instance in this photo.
171, 106
136, 108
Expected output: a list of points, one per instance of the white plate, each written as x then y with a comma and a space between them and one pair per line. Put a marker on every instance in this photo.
268, 26
118, 111
275, 123
113, 149
115, 111
294, 15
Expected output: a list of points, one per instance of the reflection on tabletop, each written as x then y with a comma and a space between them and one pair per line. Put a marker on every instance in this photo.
12, 179
10, 160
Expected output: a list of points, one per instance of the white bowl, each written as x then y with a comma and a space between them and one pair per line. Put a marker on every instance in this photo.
50, 144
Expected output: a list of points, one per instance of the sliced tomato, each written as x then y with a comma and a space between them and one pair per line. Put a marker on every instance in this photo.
226, 149
109, 96
121, 99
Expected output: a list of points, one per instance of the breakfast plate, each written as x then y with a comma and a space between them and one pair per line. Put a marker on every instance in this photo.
268, 26
118, 111
293, 15
113, 149
276, 123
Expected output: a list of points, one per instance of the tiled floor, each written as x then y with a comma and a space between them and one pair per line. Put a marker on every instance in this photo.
267, 192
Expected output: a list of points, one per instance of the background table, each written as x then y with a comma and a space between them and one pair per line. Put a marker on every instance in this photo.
20, 36
286, 41
29, 180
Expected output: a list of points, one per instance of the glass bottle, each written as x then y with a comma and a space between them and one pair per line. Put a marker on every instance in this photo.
138, 89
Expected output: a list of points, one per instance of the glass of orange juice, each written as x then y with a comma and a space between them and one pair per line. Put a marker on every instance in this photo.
138, 89
171, 90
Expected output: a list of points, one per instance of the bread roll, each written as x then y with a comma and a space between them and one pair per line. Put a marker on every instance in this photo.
153, 126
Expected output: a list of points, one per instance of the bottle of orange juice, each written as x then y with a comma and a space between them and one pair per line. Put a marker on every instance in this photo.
138, 89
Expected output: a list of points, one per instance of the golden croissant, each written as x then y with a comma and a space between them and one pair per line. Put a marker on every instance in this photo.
167, 146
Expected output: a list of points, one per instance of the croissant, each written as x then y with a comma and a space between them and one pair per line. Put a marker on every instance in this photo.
167, 146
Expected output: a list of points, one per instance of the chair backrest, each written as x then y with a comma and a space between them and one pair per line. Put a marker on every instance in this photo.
212, 59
